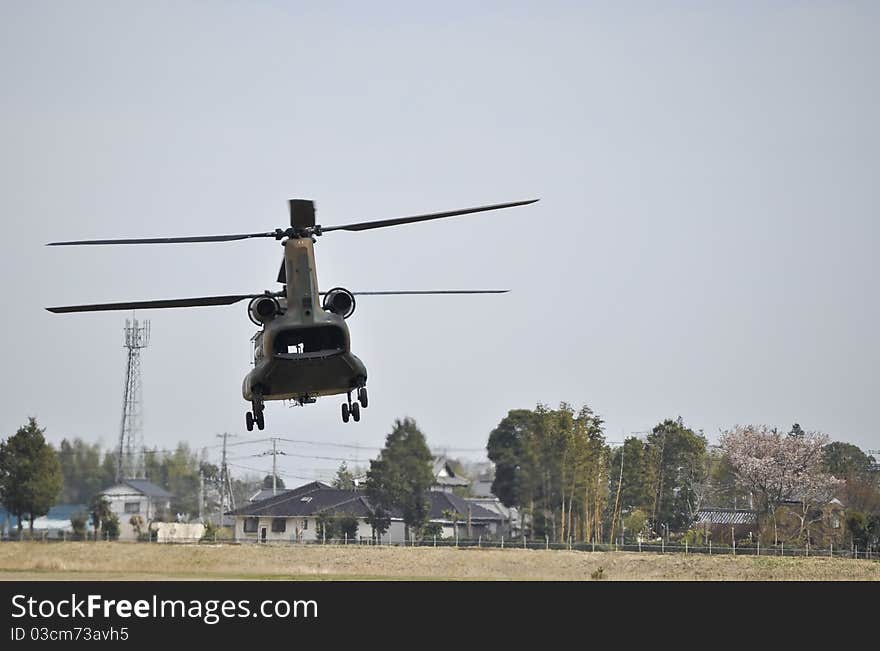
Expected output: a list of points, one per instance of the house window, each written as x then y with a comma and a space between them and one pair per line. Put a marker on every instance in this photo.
132, 507
835, 522
279, 525
250, 525
305, 523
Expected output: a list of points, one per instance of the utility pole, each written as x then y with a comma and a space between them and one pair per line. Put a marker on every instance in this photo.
201, 496
274, 452
226, 497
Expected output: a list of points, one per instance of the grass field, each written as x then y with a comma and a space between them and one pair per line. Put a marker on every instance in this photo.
122, 561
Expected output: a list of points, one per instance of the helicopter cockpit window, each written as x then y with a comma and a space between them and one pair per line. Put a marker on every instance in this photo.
310, 340
258, 346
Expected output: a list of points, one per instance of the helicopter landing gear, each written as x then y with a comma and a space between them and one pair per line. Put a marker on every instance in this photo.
256, 416
353, 409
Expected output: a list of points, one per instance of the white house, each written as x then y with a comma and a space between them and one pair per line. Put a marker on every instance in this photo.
136, 497
292, 516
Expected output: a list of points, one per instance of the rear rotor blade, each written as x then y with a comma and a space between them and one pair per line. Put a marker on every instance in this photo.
382, 223
200, 301
168, 240
413, 292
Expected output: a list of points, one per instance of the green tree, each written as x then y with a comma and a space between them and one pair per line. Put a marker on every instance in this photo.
100, 512
344, 479
82, 471
78, 523
326, 526
30, 474
846, 461
110, 526
379, 520
401, 476
347, 526
677, 472
267, 482
552, 463
509, 449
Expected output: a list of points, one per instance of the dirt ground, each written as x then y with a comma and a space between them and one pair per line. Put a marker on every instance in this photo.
126, 561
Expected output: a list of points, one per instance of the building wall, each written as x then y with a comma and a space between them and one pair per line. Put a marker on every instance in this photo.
301, 529
138, 504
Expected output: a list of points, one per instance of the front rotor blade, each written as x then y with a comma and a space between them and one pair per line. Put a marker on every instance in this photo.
413, 292
168, 240
382, 223
201, 301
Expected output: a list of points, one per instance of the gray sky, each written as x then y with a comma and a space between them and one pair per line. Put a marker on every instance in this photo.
705, 244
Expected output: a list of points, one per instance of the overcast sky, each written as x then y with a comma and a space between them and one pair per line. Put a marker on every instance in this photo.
705, 245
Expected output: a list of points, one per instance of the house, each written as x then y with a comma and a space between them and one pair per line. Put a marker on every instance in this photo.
462, 518
140, 497
55, 524
511, 524
445, 478
825, 524
292, 516
719, 524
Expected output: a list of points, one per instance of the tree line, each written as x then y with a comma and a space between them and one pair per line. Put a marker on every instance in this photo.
557, 468
34, 476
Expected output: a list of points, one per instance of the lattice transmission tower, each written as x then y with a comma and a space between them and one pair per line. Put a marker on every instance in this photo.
130, 459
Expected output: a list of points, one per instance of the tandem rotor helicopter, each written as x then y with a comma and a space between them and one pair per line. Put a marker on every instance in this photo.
303, 349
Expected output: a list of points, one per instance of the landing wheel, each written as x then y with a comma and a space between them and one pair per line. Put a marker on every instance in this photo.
249, 421
356, 412
345, 412
261, 424
362, 397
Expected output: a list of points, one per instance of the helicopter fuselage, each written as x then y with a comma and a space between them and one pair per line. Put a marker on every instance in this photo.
303, 351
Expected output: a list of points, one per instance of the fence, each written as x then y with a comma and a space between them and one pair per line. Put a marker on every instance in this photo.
780, 550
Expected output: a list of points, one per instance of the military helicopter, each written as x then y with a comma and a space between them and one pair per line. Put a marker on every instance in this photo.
303, 349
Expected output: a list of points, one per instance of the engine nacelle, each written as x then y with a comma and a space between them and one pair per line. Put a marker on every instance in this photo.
263, 308
339, 301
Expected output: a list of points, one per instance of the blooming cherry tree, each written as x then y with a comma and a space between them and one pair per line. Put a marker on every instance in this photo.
778, 467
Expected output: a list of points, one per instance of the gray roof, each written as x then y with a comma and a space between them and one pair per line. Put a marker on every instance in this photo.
308, 500
147, 488
441, 467
441, 502
265, 493
726, 516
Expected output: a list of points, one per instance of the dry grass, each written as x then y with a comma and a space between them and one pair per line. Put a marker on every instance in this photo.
121, 561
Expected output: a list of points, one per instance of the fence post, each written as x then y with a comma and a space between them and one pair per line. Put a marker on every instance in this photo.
710, 546
435, 540
640, 544
324, 536
456, 535
480, 540
832, 549
502, 541
594, 543
546, 541
759, 546
662, 546
783, 547
524, 540
685, 546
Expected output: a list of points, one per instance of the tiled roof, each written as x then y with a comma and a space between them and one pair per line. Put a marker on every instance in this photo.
726, 516
308, 500
441, 502
147, 488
